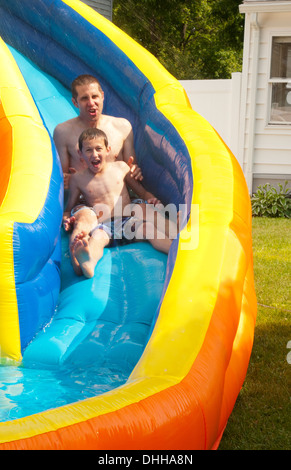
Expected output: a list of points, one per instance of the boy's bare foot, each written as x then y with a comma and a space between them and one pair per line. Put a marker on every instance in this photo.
78, 237
81, 251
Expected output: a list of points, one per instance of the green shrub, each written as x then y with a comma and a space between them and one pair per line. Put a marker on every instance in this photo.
269, 201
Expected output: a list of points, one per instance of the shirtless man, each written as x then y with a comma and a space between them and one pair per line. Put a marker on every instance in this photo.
88, 97
103, 185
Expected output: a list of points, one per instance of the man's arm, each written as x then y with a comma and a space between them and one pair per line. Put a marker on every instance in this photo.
60, 143
128, 151
137, 187
74, 193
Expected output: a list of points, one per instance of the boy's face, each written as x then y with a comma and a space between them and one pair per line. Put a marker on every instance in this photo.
94, 152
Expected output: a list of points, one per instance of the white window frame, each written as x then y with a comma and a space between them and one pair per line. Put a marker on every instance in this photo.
271, 81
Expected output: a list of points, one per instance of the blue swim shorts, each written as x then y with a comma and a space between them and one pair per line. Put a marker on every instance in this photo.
120, 230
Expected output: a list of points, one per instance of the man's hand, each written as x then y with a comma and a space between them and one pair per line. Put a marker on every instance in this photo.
135, 171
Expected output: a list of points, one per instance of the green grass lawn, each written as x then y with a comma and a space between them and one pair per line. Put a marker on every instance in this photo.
261, 419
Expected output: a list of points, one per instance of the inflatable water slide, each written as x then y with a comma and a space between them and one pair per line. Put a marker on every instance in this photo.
151, 353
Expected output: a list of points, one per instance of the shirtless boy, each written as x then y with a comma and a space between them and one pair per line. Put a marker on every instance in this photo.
88, 97
103, 184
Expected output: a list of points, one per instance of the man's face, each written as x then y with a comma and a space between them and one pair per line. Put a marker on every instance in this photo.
89, 101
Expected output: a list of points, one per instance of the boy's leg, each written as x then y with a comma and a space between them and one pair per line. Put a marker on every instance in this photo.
88, 250
147, 231
85, 221
153, 215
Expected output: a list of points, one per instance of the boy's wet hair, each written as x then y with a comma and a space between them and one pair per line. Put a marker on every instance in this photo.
92, 133
81, 80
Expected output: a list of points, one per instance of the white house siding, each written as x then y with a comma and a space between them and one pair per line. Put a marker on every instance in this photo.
104, 7
265, 149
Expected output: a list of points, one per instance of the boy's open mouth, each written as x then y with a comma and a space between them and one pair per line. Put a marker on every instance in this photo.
96, 163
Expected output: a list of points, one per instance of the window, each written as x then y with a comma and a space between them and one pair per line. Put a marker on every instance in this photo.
281, 81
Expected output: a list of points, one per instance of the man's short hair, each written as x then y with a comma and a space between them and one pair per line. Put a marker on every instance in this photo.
85, 79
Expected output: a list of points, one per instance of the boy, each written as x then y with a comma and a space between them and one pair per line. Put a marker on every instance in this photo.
103, 185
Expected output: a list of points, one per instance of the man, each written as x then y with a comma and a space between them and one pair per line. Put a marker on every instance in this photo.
88, 97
